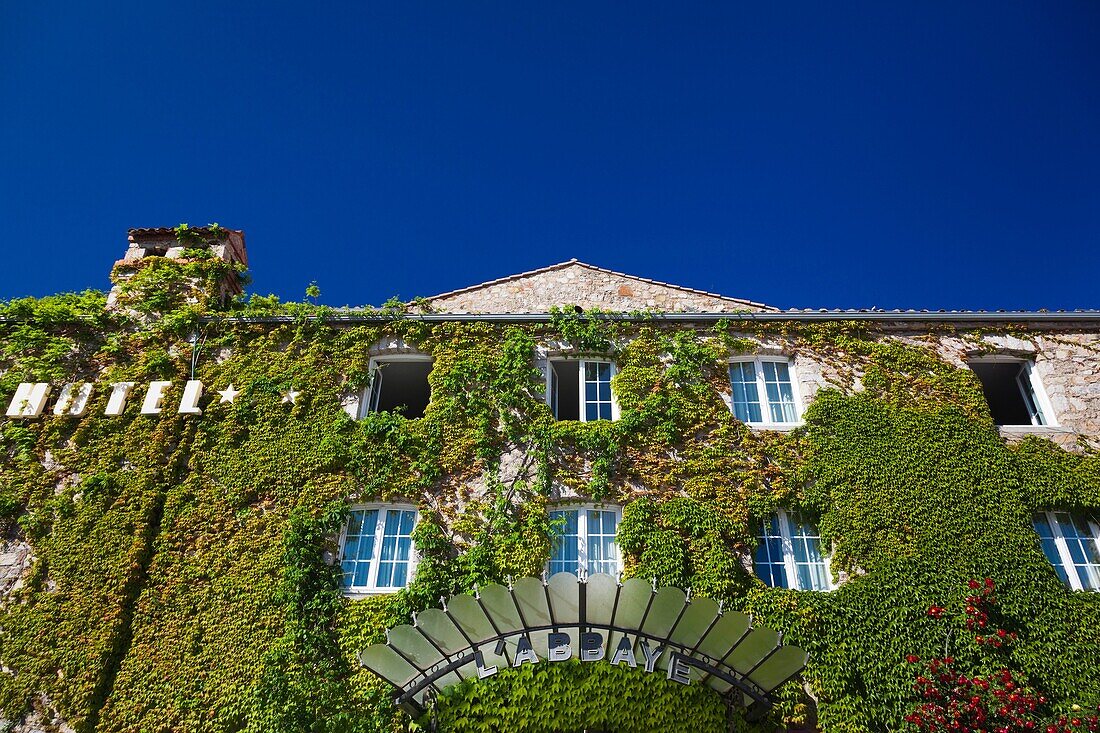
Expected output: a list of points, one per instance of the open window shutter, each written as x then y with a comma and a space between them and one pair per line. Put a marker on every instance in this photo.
1023, 381
375, 389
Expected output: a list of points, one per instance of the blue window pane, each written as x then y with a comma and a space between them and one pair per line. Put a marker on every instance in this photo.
1050, 549
566, 551
400, 575
1076, 552
1049, 544
747, 411
597, 371
1065, 536
805, 581
769, 554
1042, 526
814, 577
393, 569
802, 555
779, 576
361, 574
780, 393
385, 574
603, 556
389, 547
597, 391
745, 397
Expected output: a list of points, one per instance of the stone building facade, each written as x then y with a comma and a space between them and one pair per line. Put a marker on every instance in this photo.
765, 368
1064, 346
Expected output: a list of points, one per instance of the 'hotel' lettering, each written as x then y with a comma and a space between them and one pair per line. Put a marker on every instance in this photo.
30, 399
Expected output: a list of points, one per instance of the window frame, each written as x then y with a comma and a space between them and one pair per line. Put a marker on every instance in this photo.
758, 361
372, 588
1038, 399
374, 366
1060, 541
790, 562
582, 535
551, 393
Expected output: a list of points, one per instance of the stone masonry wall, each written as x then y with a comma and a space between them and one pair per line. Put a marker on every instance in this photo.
1067, 369
577, 284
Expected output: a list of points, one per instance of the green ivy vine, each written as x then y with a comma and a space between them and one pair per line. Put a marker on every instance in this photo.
183, 573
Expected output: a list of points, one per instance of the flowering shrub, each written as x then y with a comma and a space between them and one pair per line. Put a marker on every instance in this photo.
998, 702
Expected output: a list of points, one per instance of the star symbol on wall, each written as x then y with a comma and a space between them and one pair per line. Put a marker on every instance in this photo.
291, 397
229, 394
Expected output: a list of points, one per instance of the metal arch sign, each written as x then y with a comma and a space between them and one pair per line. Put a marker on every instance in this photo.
598, 618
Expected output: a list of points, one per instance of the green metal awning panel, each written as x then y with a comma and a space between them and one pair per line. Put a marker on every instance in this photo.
594, 619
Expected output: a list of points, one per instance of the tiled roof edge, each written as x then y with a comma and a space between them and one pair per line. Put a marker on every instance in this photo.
1091, 316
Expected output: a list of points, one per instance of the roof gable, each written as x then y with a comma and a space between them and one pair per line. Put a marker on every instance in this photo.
587, 286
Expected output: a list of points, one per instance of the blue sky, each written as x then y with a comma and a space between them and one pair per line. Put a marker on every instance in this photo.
925, 154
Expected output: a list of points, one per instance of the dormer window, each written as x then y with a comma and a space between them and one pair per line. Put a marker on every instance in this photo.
580, 389
1013, 391
399, 384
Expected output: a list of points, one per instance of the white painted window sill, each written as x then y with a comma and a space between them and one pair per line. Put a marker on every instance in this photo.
1037, 429
358, 595
1033, 430
783, 427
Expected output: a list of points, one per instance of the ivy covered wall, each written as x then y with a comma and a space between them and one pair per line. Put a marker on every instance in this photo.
178, 572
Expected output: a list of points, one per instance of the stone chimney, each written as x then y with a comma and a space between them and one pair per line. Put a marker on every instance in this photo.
173, 243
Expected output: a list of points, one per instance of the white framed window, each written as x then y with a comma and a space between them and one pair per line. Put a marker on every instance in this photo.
585, 540
376, 549
788, 553
580, 389
1013, 390
398, 383
1072, 544
763, 391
